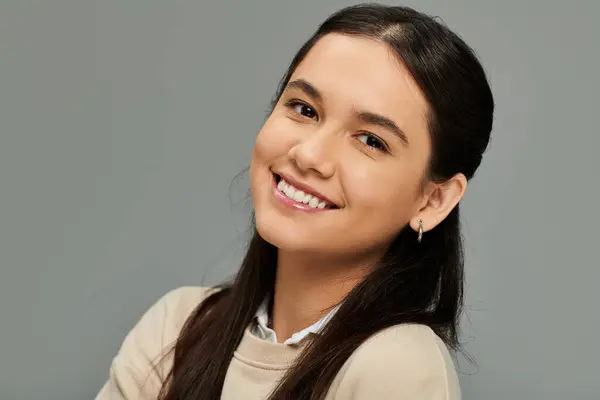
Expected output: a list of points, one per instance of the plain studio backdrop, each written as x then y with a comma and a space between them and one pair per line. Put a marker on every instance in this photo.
123, 125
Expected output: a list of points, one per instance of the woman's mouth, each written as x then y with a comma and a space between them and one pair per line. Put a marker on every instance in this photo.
297, 198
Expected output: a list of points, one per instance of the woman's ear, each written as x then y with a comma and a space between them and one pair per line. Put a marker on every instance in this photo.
440, 200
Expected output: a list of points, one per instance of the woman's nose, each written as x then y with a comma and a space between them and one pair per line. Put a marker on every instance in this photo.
315, 153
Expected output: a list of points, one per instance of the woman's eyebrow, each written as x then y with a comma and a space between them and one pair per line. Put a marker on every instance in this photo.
384, 122
307, 88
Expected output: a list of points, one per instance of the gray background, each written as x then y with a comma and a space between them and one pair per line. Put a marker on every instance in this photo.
123, 124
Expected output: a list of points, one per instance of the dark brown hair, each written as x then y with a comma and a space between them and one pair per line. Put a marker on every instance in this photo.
423, 282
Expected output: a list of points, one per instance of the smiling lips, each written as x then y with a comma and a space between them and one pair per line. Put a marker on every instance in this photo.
300, 200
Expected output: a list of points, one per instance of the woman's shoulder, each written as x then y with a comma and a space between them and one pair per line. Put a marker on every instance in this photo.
143, 360
160, 325
410, 338
172, 310
180, 302
406, 359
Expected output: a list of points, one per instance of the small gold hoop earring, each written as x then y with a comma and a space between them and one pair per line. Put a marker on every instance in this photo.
420, 231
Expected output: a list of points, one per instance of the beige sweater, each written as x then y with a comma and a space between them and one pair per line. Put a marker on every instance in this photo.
406, 362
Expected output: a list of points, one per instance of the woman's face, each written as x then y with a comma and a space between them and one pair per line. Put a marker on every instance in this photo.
339, 164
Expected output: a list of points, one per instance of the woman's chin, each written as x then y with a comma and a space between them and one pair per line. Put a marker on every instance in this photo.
284, 239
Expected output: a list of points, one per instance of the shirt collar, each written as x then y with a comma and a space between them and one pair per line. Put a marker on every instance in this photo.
263, 330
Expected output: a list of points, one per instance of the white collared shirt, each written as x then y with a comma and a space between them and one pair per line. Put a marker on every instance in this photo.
261, 329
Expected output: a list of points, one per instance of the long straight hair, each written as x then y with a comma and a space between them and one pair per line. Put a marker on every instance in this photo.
423, 281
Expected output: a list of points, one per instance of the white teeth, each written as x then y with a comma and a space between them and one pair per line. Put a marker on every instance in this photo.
290, 191
299, 195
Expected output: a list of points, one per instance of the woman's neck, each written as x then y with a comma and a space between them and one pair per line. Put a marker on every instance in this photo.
307, 288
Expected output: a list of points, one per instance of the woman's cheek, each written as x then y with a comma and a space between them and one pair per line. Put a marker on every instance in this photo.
275, 139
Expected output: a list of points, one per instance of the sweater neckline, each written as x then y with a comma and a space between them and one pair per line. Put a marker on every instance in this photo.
266, 354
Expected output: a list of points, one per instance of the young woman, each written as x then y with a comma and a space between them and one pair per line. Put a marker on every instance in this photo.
351, 287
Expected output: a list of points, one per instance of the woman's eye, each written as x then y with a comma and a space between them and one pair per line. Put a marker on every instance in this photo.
372, 141
303, 109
